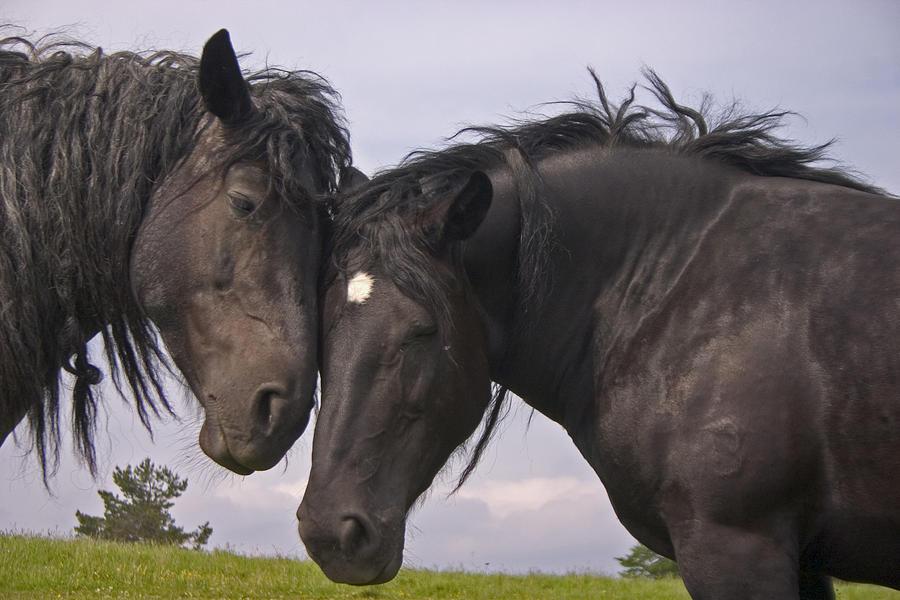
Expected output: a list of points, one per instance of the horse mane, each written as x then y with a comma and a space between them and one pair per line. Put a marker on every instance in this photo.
379, 213
85, 137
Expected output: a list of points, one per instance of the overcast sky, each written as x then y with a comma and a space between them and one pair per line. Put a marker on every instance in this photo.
410, 74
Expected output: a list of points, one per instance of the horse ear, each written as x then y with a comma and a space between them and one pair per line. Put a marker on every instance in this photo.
351, 178
468, 208
222, 85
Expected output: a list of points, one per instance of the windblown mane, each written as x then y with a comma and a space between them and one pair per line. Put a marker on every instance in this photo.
84, 139
379, 213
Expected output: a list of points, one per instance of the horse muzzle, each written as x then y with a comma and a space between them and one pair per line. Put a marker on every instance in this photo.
255, 435
350, 548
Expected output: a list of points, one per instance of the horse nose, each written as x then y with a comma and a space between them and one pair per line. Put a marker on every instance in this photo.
350, 545
357, 537
276, 410
340, 544
264, 428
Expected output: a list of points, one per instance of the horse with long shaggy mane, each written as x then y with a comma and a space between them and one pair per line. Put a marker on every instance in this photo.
156, 190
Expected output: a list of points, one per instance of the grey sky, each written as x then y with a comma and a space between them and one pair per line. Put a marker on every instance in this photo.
410, 74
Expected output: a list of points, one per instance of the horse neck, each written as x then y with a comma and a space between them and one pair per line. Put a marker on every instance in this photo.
625, 222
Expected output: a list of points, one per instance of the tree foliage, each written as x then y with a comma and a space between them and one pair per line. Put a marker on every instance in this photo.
142, 513
641, 561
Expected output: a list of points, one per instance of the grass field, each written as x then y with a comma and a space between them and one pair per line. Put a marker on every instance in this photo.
33, 567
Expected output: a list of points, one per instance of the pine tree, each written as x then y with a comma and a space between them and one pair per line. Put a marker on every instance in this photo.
641, 561
142, 513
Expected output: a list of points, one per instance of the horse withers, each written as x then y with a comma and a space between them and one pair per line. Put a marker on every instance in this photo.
712, 318
159, 191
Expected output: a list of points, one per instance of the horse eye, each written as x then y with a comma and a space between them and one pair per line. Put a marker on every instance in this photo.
421, 331
241, 204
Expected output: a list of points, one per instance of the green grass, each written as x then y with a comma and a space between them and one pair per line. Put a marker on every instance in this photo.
35, 567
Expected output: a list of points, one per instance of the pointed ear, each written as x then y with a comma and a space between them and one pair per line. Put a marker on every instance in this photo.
468, 208
351, 178
222, 85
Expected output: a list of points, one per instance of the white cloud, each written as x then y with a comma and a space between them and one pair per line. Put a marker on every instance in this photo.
504, 498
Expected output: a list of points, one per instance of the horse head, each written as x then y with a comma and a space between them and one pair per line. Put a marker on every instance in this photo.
226, 267
405, 381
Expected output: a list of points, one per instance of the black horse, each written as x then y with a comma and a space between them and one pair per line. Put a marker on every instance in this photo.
714, 320
142, 190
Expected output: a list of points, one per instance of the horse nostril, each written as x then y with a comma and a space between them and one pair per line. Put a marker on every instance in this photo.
266, 403
264, 408
354, 536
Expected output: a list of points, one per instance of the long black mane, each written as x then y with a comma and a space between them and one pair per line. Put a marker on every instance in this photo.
379, 213
84, 139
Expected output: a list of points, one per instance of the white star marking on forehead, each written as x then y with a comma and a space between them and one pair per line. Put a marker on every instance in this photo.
359, 288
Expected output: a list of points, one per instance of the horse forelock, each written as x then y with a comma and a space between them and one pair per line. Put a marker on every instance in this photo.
297, 128
85, 138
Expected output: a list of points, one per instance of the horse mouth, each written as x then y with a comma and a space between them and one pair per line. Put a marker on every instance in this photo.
388, 572
215, 445
361, 575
